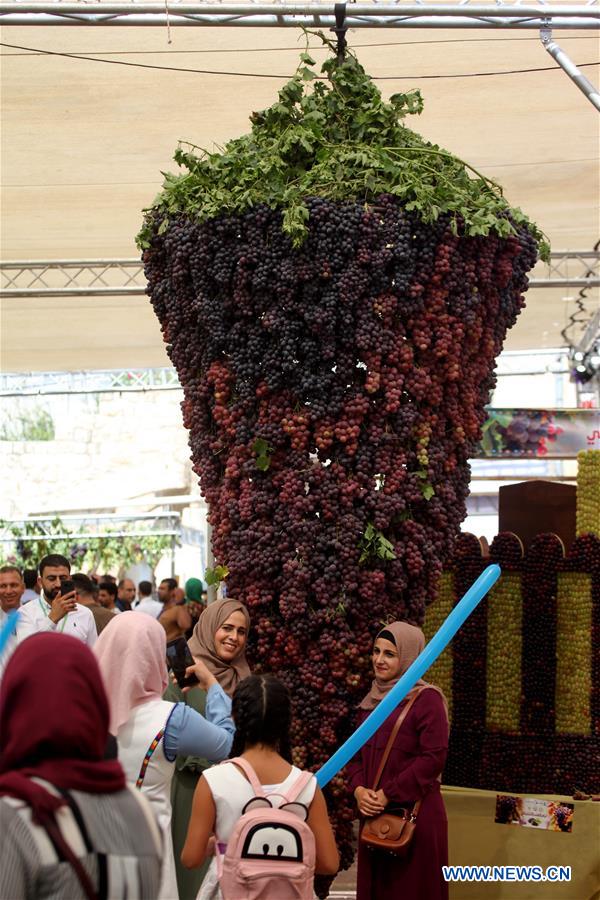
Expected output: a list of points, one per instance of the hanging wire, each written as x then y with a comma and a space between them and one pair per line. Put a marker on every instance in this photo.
287, 76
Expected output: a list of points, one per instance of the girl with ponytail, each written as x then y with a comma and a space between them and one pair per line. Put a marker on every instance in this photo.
262, 714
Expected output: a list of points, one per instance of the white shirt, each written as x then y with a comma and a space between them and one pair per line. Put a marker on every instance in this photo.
134, 738
150, 606
231, 792
35, 618
28, 595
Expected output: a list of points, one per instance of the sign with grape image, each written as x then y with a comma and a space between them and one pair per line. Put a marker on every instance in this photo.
333, 291
531, 812
557, 433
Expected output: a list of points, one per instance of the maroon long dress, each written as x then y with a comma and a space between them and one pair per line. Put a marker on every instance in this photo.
411, 773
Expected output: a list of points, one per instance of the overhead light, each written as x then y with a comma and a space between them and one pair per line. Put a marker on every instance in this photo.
581, 368
578, 356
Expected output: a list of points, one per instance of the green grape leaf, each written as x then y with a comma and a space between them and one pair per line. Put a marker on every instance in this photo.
260, 447
427, 490
216, 576
263, 463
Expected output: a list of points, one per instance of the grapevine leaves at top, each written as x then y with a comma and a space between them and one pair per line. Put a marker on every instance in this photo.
332, 137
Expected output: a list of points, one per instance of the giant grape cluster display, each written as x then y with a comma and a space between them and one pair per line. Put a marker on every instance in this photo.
333, 292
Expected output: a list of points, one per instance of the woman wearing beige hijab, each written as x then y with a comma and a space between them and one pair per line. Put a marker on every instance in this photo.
219, 640
412, 772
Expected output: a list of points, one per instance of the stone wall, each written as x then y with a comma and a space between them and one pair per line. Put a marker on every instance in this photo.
108, 449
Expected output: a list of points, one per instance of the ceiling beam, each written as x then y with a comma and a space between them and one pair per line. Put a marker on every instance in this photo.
502, 14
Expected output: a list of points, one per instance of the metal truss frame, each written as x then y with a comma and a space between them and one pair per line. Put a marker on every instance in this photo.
502, 14
119, 381
109, 381
591, 334
72, 278
166, 524
571, 268
123, 277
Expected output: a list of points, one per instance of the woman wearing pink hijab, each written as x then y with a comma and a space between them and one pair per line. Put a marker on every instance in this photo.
150, 731
412, 772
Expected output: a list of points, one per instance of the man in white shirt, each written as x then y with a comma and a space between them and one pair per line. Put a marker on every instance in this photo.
146, 604
32, 586
54, 611
11, 588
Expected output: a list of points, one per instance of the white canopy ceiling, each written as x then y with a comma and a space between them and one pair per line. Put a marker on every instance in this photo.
84, 143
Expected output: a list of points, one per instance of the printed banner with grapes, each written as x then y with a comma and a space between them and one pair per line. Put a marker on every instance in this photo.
557, 433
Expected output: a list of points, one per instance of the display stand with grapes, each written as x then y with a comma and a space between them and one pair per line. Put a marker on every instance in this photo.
522, 677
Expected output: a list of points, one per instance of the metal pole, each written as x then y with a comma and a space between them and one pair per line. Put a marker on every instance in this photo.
47, 293
493, 11
211, 589
569, 67
340, 31
29, 538
320, 15
125, 17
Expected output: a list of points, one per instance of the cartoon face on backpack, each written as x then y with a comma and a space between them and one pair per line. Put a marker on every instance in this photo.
274, 840
271, 850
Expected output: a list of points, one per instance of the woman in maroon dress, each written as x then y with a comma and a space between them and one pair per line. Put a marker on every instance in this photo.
412, 773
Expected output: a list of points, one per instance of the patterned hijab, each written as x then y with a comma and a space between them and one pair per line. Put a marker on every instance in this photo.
409, 641
202, 643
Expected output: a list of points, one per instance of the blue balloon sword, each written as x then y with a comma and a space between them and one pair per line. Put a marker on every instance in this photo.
8, 628
426, 658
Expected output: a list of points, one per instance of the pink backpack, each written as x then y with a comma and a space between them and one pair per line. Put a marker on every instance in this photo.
271, 851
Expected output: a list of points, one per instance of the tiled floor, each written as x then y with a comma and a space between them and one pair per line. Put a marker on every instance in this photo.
346, 881
344, 886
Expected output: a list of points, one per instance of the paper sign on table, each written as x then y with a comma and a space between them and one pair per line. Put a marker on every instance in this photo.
549, 815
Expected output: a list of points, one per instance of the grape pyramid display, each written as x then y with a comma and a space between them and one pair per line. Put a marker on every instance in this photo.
333, 292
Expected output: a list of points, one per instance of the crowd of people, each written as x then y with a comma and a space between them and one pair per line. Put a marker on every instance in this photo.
115, 708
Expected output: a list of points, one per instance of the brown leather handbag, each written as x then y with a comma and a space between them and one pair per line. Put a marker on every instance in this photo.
394, 829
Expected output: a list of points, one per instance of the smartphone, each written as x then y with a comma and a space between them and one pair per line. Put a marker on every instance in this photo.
179, 659
66, 587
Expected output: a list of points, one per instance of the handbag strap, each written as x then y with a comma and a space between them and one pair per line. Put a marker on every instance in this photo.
149, 753
394, 735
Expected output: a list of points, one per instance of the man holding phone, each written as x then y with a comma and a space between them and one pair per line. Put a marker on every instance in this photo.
56, 609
